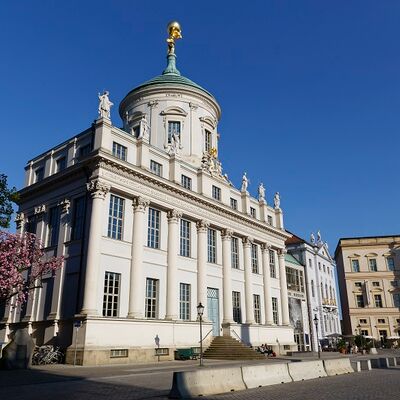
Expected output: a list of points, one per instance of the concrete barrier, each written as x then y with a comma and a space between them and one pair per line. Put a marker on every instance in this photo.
339, 366
206, 382
361, 365
265, 375
301, 371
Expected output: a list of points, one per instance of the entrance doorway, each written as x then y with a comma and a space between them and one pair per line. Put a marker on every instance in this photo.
213, 309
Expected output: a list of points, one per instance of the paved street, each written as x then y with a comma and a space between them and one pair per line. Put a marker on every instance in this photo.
154, 381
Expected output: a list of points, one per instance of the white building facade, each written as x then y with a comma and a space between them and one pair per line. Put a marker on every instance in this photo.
150, 227
320, 278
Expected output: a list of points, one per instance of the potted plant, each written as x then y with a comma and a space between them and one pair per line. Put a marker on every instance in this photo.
341, 346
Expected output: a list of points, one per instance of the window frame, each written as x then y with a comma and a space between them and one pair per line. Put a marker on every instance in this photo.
151, 298
184, 301
254, 259
114, 292
78, 220
120, 151
275, 310
233, 203
116, 211
153, 228
211, 246
53, 226
216, 193
186, 182
236, 307
184, 238
257, 308
156, 168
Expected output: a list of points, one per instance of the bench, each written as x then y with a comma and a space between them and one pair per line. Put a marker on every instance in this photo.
185, 354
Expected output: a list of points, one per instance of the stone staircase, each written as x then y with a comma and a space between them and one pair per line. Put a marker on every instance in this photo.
228, 348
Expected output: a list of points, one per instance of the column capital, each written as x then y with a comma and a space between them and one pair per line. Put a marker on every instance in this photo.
265, 247
247, 241
140, 204
173, 216
40, 211
282, 252
19, 219
202, 225
98, 189
226, 234
65, 205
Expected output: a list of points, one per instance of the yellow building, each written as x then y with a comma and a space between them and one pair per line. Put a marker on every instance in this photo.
369, 281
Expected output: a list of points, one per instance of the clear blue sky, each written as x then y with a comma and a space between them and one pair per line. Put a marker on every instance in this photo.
310, 92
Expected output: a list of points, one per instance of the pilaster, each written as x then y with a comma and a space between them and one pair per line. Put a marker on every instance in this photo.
227, 279
202, 227
248, 284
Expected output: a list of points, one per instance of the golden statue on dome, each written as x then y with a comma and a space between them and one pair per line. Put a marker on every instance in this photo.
175, 33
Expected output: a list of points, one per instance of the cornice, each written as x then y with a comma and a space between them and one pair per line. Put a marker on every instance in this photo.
152, 181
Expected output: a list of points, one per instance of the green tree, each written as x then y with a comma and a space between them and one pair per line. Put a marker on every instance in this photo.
7, 197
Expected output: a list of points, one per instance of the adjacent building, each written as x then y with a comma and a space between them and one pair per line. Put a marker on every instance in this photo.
369, 281
320, 283
150, 227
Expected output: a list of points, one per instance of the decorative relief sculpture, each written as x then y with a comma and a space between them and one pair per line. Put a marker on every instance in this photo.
140, 203
98, 189
211, 164
202, 225
19, 219
40, 209
65, 205
144, 131
174, 215
226, 233
105, 105
277, 200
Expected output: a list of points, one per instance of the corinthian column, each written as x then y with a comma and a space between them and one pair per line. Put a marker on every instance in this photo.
136, 289
227, 279
172, 289
248, 287
202, 227
283, 285
269, 320
98, 190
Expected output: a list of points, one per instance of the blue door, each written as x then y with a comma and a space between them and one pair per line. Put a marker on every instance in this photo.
213, 309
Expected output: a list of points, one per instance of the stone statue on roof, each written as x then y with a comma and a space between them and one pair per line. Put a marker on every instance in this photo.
312, 238
261, 192
144, 128
319, 240
105, 105
245, 182
277, 200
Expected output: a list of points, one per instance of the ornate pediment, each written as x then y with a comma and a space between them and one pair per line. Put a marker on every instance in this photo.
174, 110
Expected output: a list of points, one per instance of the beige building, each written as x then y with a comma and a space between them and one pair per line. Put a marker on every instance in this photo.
369, 282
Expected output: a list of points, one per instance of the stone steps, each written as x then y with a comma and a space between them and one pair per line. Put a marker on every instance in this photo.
228, 348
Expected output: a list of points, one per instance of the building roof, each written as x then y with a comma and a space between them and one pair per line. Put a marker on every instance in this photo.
289, 258
171, 75
294, 239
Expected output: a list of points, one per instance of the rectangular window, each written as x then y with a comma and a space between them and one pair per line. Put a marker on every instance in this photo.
358, 284
269, 220
111, 294
237, 313
153, 229
390, 263
78, 218
151, 301
155, 168
234, 204
355, 266
235, 252
216, 193
360, 301
184, 302
115, 217
119, 353
61, 164
253, 212
363, 321
212, 245
39, 174
185, 238
186, 182
372, 265
254, 258
119, 151
378, 301
396, 300
85, 150
54, 225
364, 332
174, 128
312, 288
257, 309
376, 284
272, 263
207, 140
381, 321
31, 224
136, 131
275, 310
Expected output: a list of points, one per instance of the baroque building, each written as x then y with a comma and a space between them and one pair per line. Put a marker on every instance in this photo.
321, 287
150, 227
369, 281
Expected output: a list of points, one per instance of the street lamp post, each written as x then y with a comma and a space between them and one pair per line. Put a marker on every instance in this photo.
316, 330
200, 311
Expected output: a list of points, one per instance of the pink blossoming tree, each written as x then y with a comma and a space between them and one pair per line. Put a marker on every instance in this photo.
22, 265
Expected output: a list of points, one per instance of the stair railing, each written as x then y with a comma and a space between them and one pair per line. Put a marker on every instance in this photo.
206, 335
240, 339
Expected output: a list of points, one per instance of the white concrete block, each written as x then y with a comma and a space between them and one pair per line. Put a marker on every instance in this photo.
339, 366
265, 375
304, 370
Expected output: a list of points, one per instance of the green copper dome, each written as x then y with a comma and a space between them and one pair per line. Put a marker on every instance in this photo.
171, 75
